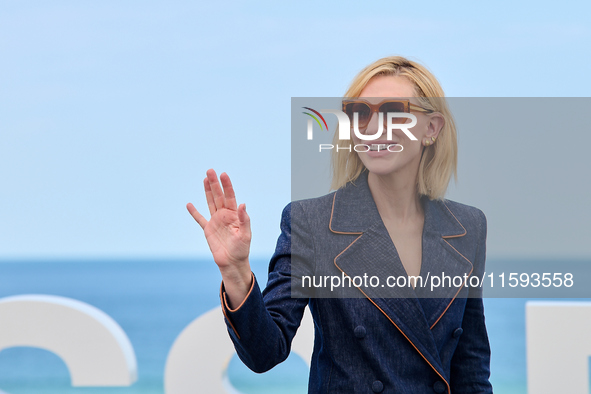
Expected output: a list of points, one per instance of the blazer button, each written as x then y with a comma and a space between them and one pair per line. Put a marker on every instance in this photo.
439, 387
377, 386
458, 332
360, 333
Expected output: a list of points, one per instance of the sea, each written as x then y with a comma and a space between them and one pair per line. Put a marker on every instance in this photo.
154, 300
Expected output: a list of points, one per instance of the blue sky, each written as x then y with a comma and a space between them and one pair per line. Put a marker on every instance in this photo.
111, 112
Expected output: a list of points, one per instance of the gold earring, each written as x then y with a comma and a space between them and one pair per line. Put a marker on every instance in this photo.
426, 142
432, 139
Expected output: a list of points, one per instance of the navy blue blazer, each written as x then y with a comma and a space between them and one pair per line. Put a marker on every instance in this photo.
401, 344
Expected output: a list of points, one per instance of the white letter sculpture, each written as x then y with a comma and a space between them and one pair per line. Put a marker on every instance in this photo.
93, 346
558, 338
199, 357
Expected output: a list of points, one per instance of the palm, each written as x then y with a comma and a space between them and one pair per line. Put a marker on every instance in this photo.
228, 241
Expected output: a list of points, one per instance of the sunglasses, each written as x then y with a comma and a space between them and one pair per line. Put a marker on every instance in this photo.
365, 109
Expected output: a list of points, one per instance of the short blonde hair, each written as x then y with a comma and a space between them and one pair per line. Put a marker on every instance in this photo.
439, 160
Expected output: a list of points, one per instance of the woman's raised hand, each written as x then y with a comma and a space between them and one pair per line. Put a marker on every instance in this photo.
228, 234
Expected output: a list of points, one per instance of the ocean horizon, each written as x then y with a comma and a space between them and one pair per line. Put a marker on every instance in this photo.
154, 300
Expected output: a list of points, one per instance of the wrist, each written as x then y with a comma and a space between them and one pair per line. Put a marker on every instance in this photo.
239, 275
237, 286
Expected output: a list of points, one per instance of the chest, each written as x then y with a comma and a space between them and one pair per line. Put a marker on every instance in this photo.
407, 239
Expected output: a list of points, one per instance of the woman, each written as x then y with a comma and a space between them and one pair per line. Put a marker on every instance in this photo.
388, 214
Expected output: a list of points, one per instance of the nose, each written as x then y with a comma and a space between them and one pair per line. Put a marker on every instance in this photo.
374, 125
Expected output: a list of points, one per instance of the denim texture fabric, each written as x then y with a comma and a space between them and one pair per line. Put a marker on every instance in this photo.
412, 342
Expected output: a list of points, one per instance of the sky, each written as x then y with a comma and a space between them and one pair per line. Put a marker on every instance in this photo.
111, 113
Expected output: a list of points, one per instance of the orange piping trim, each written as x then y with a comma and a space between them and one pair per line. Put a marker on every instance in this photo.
458, 292
226, 306
222, 299
413, 345
460, 223
445, 237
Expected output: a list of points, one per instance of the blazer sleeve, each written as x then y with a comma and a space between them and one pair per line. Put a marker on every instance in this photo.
470, 364
263, 326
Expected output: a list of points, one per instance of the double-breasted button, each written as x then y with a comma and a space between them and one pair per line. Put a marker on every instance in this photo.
439, 387
377, 386
457, 332
359, 332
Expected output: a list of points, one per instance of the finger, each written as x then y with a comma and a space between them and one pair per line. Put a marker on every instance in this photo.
216, 189
243, 218
196, 215
228, 191
209, 197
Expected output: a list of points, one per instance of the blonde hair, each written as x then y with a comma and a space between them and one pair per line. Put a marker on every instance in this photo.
438, 161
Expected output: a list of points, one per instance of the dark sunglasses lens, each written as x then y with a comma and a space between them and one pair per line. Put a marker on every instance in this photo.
393, 107
361, 108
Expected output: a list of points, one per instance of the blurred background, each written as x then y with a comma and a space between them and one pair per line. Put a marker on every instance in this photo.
111, 112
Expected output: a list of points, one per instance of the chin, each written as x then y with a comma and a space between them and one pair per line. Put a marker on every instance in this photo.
383, 174
381, 170
386, 168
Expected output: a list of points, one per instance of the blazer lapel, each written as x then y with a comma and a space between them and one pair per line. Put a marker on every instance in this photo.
441, 263
373, 253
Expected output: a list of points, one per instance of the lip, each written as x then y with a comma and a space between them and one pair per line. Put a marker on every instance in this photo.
385, 142
380, 141
381, 152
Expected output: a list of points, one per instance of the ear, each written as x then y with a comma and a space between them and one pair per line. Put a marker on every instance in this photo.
436, 123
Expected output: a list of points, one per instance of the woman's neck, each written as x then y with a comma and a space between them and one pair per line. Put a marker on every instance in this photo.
396, 197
